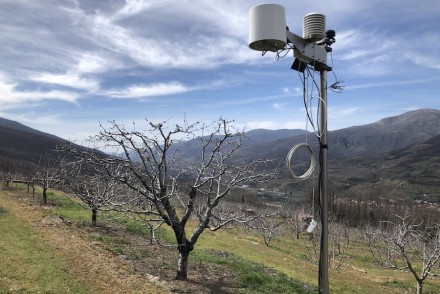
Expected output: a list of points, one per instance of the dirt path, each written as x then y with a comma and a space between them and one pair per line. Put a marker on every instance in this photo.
93, 265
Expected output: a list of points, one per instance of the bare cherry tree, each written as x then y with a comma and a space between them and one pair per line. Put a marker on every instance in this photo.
47, 174
296, 219
406, 245
90, 183
8, 171
179, 172
339, 245
269, 225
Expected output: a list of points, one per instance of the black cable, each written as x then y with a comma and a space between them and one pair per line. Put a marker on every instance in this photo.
278, 54
336, 86
305, 102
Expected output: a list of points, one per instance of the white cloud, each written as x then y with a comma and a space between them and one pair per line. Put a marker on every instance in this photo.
210, 34
282, 107
295, 91
426, 61
151, 90
295, 125
390, 83
69, 79
275, 125
95, 63
79, 49
10, 96
342, 112
131, 7
32, 118
270, 125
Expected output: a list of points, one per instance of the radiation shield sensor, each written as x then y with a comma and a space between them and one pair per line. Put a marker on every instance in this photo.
268, 32
267, 27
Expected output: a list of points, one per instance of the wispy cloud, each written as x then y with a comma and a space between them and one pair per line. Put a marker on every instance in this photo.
96, 62
69, 79
426, 61
389, 83
10, 96
343, 112
270, 125
80, 51
275, 125
32, 118
151, 90
281, 107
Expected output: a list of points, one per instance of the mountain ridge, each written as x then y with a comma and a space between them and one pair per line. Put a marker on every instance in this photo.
404, 147
22, 143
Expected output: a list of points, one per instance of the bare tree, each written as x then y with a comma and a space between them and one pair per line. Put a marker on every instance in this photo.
339, 241
46, 174
177, 173
90, 183
406, 245
269, 226
8, 171
27, 173
339, 245
296, 220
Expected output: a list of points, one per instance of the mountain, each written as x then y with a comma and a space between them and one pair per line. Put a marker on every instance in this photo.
416, 164
259, 136
22, 143
252, 141
385, 135
392, 152
358, 141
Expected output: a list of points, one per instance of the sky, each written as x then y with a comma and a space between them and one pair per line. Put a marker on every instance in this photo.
67, 66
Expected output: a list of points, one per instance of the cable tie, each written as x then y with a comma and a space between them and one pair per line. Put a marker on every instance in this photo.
323, 146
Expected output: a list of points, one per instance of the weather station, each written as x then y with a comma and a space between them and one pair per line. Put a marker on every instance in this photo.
268, 33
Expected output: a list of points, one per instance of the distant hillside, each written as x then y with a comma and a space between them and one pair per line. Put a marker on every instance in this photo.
385, 135
359, 141
416, 164
19, 142
259, 136
392, 152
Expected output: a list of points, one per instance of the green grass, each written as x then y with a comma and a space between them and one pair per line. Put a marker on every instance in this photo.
70, 209
28, 265
283, 267
255, 278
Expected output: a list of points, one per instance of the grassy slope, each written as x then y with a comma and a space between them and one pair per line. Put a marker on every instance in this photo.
28, 265
36, 258
286, 256
290, 257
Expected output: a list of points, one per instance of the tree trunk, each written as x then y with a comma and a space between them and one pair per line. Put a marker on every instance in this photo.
419, 287
44, 196
94, 215
152, 236
182, 266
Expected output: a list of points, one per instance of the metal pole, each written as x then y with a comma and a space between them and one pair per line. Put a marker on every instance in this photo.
323, 187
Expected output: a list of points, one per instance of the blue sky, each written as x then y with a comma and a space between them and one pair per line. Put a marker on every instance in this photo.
68, 65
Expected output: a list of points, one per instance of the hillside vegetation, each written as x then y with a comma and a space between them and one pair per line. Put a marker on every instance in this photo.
116, 255
128, 223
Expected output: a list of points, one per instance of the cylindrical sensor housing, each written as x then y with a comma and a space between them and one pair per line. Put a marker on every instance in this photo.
267, 27
314, 26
